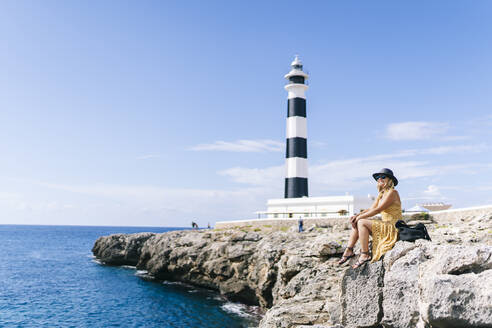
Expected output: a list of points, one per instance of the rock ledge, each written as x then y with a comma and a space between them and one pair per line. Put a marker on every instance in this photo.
295, 278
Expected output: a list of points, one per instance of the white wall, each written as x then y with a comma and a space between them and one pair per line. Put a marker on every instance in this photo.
316, 206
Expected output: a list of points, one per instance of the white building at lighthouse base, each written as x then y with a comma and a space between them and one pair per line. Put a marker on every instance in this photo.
315, 207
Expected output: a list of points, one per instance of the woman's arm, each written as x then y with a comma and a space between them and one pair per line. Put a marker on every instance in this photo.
353, 218
383, 204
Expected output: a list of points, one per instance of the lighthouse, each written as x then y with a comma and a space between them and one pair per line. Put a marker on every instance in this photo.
296, 203
296, 179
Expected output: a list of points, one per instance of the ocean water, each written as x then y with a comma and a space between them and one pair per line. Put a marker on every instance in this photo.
49, 278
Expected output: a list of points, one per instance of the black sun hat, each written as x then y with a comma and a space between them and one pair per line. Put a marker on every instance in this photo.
388, 173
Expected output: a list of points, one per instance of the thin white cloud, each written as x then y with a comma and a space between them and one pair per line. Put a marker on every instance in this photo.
20, 202
481, 122
353, 173
136, 204
416, 130
111, 204
242, 146
463, 189
173, 203
433, 191
424, 198
345, 175
455, 149
455, 138
9, 196
269, 176
318, 144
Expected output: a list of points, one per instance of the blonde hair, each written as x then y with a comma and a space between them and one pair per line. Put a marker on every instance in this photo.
387, 186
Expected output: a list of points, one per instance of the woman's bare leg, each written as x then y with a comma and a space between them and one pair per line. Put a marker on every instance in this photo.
349, 250
354, 236
364, 227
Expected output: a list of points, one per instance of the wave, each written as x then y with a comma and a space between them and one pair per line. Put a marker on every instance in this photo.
176, 283
217, 298
129, 267
145, 275
239, 309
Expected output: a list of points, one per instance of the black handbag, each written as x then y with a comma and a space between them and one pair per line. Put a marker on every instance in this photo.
411, 233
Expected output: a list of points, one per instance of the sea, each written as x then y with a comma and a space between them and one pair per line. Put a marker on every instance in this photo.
49, 278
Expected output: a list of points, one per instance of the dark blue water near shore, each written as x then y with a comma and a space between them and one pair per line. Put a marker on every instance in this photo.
48, 278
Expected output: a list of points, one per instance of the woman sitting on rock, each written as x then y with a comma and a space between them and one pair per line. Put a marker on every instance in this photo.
384, 233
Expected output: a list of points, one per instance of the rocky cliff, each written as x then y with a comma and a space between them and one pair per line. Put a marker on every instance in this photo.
295, 278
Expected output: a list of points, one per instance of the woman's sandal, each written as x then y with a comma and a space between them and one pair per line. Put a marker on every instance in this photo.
359, 262
348, 257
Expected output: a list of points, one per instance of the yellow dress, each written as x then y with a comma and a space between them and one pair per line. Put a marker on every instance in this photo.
384, 232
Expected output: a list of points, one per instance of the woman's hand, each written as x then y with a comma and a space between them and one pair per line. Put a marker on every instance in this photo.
353, 220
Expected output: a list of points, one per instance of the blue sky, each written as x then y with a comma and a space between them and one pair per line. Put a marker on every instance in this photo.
159, 113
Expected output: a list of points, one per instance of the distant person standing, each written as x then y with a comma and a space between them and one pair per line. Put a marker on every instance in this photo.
301, 224
208, 225
194, 226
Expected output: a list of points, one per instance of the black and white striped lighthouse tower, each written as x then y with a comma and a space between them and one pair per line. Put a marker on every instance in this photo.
296, 180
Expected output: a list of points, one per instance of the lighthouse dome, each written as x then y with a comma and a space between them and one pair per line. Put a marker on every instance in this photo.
296, 63
296, 75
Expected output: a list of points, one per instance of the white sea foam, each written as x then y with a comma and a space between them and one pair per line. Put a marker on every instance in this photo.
144, 274
129, 267
237, 308
216, 298
175, 283
96, 261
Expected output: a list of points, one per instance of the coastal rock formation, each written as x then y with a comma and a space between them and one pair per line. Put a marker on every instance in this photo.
120, 249
245, 266
362, 296
311, 297
425, 285
296, 279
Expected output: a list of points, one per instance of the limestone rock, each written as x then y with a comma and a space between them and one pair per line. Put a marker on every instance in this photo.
320, 326
400, 291
295, 276
456, 288
311, 297
120, 249
362, 295
292, 313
